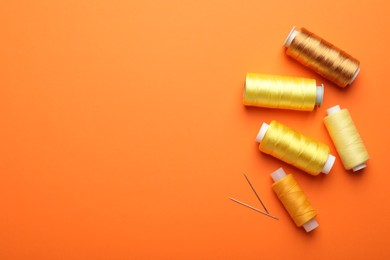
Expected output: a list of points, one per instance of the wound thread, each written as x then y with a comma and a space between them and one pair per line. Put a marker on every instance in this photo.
321, 56
295, 148
346, 138
283, 92
294, 200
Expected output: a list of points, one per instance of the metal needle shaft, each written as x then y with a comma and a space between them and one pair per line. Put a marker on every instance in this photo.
258, 197
253, 208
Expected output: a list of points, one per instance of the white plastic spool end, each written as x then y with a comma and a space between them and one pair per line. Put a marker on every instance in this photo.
290, 37
261, 134
329, 164
310, 225
319, 95
333, 110
278, 174
355, 75
359, 167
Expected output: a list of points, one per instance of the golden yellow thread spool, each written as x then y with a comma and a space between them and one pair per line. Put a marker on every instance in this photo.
321, 56
295, 148
346, 138
282, 92
294, 200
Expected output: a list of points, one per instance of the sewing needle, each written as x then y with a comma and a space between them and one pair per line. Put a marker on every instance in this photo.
253, 208
258, 197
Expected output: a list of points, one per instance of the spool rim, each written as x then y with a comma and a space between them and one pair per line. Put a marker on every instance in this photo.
263, 130
320, 95
278, 174
332, 110
290, 37
359, 167
310, 225
354, 75
328, 164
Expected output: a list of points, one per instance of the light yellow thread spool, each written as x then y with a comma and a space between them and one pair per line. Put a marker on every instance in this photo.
294, 200
346, 138
321, 56
295, 148
274, 91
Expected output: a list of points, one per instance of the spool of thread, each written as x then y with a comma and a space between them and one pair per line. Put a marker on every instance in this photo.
282, 92
295, 148
294, 200
346, 138
321, 56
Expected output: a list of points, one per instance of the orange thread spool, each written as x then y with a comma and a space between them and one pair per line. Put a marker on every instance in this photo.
294, 200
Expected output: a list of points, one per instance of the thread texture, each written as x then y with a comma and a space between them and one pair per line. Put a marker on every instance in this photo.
346, 139
294, 200
324, 58
294, 148
280, 92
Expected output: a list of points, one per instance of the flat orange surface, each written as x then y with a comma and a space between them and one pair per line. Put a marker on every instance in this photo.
123, 131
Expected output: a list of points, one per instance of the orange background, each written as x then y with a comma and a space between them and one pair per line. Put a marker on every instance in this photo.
123, 131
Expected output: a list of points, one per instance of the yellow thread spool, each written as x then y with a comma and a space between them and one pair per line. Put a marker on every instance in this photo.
321, 56
282, 92
295, 148
294, 200
346, 138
